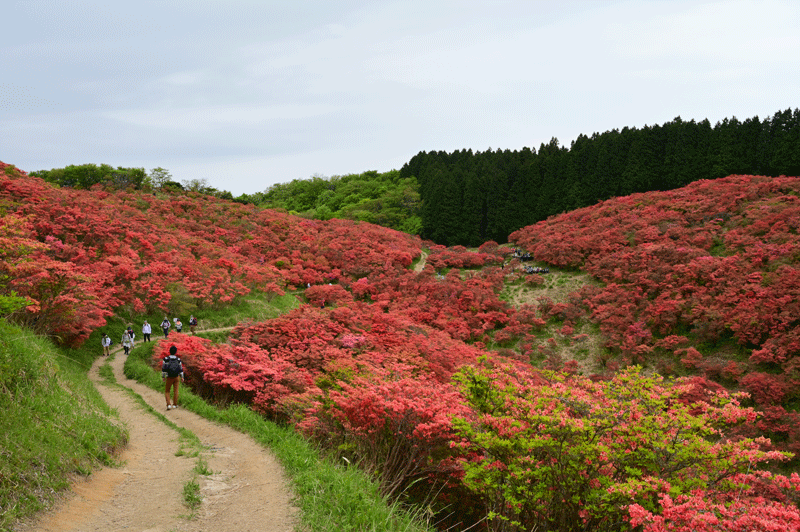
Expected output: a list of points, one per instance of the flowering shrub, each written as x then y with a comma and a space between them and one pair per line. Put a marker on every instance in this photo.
555, 452
713, 261
398, 427
460, 257
92, 251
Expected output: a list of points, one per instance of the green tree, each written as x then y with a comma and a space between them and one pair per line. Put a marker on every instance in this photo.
200, 185
87, 175
159, 177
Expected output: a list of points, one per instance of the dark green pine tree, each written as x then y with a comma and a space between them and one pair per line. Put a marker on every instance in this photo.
441, 210
494, 168
726, 149
581, 171
553, 194
473, 224
785, 142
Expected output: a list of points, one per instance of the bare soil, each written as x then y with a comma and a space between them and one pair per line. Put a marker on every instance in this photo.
422, 261
246, 492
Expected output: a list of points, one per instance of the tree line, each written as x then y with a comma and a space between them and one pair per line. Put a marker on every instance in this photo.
86, 176
384, 199
472, 197
467, 198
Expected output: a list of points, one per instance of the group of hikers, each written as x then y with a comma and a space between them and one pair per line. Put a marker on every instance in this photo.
128, 336
165, 325
171, 365
536, 269
524, 256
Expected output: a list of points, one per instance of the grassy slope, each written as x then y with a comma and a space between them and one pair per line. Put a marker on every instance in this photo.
53, 426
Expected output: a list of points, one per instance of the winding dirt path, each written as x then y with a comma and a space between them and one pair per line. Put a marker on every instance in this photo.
247, 491
422, 260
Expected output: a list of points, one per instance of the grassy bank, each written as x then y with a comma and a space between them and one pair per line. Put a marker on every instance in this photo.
54, 425
330, 496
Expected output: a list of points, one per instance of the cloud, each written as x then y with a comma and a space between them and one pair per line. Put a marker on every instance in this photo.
283, 90
210, 118
729, 32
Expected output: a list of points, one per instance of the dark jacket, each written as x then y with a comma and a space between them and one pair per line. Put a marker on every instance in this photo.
164, 365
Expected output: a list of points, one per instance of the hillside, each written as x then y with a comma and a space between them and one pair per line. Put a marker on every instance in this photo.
80, 254
702, 280
431, 380
54, 426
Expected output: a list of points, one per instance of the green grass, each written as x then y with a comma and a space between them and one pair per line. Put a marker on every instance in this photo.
201, 467
330, 496
54, 425
191, 497
255, 306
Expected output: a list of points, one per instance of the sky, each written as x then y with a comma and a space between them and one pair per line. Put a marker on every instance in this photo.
246, 94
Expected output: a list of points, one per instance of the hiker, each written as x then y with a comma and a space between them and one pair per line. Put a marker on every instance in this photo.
106, 343
178, 325
132, 335
165, 326
146, 330
192, 323
172, 374
127, 342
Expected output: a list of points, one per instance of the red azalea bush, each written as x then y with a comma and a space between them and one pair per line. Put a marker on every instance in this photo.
321, 343
711, 261
98, 250
397, 426
460, 257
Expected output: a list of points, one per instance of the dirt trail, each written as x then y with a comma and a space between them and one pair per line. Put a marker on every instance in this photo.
422, 260
247, 492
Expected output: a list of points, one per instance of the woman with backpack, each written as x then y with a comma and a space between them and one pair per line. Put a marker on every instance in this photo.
106, 341
127, 342
165, 326
172, 374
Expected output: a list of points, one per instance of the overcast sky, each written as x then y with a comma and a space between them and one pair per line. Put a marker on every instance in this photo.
246, 94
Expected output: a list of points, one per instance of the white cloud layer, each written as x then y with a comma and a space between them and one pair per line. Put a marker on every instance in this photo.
251, 93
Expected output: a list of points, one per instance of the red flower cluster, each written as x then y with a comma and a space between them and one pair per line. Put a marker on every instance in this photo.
711, 261
78, 255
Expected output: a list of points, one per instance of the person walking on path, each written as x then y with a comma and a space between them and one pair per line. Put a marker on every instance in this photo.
132, 335
178, 325
165, 326
127, 342
146, 330
106, 343
172, 374
192, 323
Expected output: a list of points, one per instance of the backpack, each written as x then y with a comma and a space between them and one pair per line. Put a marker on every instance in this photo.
172, 366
